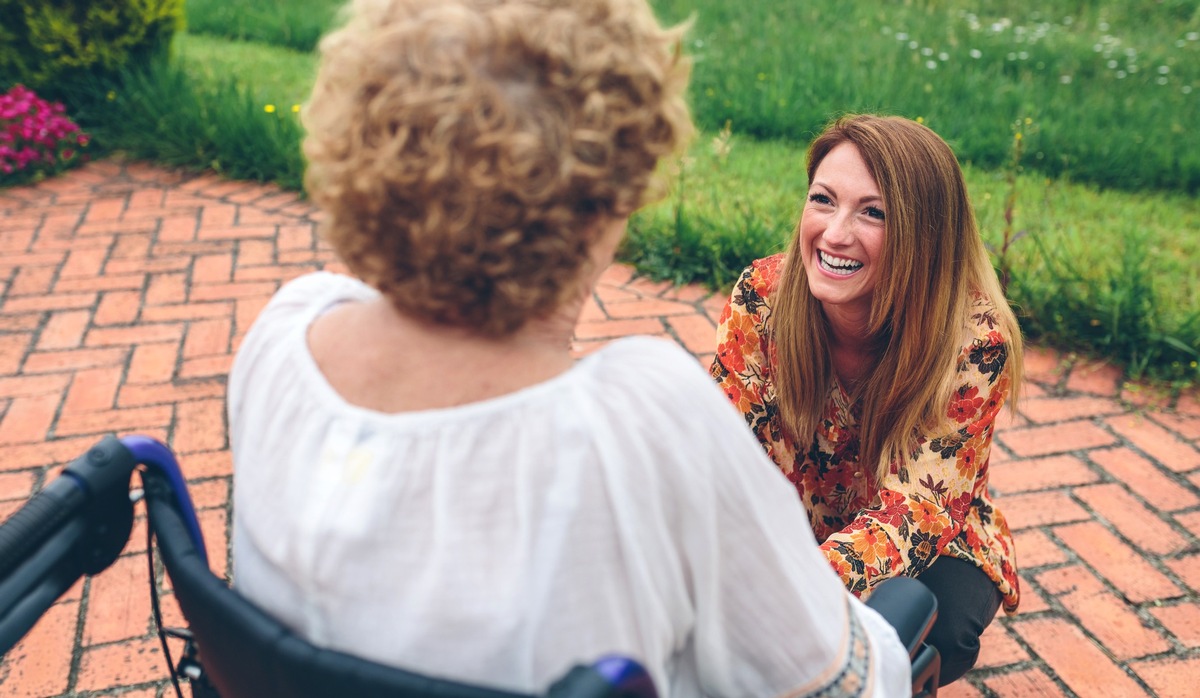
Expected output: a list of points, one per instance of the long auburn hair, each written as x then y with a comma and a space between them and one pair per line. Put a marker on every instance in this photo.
933, 259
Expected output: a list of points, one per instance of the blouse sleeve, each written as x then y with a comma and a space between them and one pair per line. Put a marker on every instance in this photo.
923, 502
740, 364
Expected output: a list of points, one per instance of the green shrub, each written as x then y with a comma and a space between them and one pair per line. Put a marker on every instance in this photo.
47, 45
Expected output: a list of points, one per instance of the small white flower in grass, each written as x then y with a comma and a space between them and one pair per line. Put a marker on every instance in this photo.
932, 65
1121, 74
926, 51
943, 56
976, 53
1103, 26
1011, 56
1180, 43
1098, 48
1068, 21
1161, 81
1024, 55
1131, 52
1193, 36
886, 30
1132, 68
1187, 89
901, 36
913, 45
1112, 65
1065, 79
1163, 70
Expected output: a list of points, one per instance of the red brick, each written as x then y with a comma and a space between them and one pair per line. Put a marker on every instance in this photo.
998, 648
646, 308
17, 323
186, 311
1043, 365
1040, 509
237, 232
40, 664
165, 393
1040, 474
1151, 483
211, 269
207, 464
206, 367
167, 289
118, 308
147, 265
84, 263
123, 420
282, 274
610, 329
1182, 621
177, 229
133, 246
208, 494
122, 664
617, 275
93, 390
1035, 549
105, 210
107, 282
295, 237
118, 602
1112, 622
1095, 377
1117, 562
1188, 569
1190, 521
153, 363
1059, 438
694, 332
1158, 443
207, 338
253, 253
17, 485
1187, 426
28, 419
57, 301
1131, 518
12, 351
1075, 659
137, 334
214, 525
42, 454
247, 311
17, 386
64, 329
31, 281
1170, 677
1031, 683
199, 426
233, 291
1060, 409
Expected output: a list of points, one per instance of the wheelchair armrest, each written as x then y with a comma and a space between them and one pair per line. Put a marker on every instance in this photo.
909, 607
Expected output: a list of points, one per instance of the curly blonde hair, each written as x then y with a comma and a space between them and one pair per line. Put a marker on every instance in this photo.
464, 152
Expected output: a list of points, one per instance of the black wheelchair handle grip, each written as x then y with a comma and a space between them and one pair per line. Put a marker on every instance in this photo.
40, 517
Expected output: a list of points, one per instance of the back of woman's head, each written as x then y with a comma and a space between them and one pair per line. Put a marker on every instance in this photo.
465, 152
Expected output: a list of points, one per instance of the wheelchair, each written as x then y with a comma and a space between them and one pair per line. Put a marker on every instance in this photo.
79, 524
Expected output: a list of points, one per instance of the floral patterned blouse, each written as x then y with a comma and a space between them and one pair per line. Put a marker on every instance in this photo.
936, 503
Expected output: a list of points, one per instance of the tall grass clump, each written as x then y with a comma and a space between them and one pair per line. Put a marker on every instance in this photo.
164, 113
1114, 86
296, 24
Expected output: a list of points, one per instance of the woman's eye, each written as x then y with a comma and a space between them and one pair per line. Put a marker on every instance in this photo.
819, 199
875, 213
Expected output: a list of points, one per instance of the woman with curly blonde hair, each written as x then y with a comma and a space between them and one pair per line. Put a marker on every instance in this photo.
872, 359
423, 475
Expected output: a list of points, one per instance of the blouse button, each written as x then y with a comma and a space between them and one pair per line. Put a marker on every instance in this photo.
857, 473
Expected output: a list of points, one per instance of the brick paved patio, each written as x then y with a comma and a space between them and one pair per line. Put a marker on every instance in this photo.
125, 289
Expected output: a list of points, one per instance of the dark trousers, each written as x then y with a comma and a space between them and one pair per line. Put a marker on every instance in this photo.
967, 601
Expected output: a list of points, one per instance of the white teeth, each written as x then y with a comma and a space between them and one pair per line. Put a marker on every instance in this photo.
838, 265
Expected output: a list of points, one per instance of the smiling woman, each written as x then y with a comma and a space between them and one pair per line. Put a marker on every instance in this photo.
871, 361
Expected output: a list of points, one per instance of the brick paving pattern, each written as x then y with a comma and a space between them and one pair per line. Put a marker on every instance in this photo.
125, 289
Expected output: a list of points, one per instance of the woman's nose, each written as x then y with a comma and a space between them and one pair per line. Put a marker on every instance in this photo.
840, 230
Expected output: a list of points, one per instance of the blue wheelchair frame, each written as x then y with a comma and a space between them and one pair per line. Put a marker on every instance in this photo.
79, 525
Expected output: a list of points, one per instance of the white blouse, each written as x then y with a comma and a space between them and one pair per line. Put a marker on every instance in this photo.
620, 507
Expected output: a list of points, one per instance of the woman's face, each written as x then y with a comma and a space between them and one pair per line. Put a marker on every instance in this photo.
841, 232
